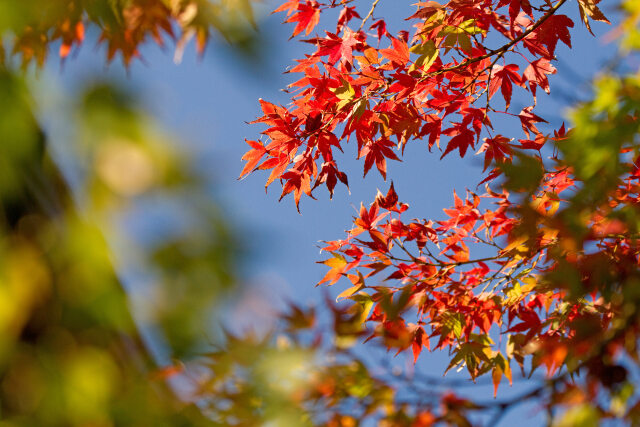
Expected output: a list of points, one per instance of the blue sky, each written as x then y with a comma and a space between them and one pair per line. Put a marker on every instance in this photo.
208, 102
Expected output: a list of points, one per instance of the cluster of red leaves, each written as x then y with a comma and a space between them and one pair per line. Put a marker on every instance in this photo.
424, 284
419, 88
419, 277
451, 295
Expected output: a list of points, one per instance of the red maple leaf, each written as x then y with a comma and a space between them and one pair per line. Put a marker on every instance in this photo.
296, 182
288, 6
555, 28
528, 120
377, 152
433, 128
502, 78
463, 139
307, 15
252, 157
381, 28
329, 175
515, 6
497, 148
398, 53
536, 74
346, 15
336, 47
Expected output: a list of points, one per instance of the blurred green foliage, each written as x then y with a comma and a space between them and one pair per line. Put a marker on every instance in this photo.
75, 347
70, 351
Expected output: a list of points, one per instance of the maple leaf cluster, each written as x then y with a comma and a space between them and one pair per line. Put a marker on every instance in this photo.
539, 261
435, 84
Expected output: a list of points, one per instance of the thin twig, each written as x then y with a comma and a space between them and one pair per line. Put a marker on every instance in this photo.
373, 7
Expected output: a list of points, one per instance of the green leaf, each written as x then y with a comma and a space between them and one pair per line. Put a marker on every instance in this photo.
428, 54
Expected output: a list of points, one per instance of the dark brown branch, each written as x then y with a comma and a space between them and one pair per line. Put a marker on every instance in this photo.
507, 46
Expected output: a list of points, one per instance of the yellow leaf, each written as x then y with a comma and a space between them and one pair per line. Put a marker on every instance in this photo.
348, 292
428, 54
345, 94
335, 262
518, 243
338, 265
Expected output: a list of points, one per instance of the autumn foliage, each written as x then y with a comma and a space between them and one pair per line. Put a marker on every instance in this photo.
534, 270
558, 214
123, 26
422, 88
